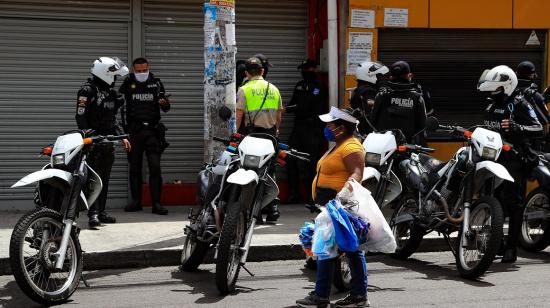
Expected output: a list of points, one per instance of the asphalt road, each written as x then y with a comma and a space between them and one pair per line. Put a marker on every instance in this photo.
428, 280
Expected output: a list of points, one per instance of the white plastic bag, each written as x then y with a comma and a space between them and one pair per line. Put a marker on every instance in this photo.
380, 237
323, 244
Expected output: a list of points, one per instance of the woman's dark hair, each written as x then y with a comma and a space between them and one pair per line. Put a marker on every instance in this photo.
348, 126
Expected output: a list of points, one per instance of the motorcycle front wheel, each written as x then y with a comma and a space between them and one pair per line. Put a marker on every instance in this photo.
231, 239
408, 235
193, 253
484, 237
535, 230
34, 242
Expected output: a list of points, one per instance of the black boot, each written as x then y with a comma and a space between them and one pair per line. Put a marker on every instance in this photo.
106, 219
159, 209
273, 213
510, 255
93, 221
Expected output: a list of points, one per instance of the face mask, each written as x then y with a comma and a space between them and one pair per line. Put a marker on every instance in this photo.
329, 134
308, 75
142, 77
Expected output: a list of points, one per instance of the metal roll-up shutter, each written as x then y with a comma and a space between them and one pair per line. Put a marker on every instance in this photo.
46, 53
174, 42
449, 63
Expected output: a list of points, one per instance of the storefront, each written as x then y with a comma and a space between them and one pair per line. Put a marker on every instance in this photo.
48, 47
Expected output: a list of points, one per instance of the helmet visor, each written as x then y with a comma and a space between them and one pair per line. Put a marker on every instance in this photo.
119, 68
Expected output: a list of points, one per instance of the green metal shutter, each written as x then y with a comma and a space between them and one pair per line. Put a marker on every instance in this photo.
46, 53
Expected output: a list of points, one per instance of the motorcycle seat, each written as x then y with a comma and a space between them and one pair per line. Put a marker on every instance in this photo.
431, 164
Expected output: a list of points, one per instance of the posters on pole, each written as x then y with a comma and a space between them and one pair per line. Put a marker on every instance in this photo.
230, 34
396, 17
362, 18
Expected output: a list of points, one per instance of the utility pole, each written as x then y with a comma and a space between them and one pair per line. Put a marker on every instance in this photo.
219, 73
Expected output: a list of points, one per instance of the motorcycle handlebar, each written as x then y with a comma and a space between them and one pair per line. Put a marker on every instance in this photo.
115, 138
222, 140
416, 148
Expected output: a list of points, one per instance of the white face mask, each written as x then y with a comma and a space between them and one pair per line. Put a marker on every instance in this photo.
142, 77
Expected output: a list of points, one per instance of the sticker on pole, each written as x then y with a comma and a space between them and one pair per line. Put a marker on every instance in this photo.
223, 3
533, 39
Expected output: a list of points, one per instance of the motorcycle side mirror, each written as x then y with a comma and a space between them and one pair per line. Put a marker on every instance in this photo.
432, 124
225, 113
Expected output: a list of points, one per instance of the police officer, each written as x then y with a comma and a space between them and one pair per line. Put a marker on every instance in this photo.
526, 74
309, 100
259, 109
511, 114
97, 106
398, 105
240, 73
145, 98
370, 76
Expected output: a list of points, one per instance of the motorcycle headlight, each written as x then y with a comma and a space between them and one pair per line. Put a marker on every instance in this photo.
373, 159
58, 159
489, 153
251, 161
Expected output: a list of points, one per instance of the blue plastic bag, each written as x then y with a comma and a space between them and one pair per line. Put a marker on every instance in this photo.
306, 234
360, 226
345, 236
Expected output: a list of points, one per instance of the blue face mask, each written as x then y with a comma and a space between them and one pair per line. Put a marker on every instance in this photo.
329, 134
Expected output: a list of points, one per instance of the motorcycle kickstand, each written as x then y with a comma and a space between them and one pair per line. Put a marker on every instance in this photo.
448, 240
84, 281
246, 269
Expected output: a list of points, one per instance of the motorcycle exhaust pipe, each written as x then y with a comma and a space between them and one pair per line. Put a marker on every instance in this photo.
454, 220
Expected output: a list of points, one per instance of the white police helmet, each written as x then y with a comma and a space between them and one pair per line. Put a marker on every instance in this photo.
368, 71
499, 76
106, 68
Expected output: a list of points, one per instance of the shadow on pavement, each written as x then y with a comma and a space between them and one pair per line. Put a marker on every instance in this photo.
12, 297
434, 271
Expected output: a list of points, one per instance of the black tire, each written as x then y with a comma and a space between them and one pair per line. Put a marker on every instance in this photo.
342, 274
408, 235
535, 233
193, 253
486, 238
232, 234
19, 260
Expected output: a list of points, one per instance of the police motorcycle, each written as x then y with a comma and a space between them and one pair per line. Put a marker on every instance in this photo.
45, 253
383, 149
245, 187
454, 196
535, 229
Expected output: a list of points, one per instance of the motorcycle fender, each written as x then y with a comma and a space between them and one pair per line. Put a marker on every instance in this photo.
370, 172
394, 189
243, 177
94, 189
542, 174
46, 174
487, 168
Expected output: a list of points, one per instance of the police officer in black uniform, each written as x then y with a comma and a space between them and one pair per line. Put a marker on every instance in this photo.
370, 76
398, 105
309, 100
509, 113
526, 74
145, 98
97, 106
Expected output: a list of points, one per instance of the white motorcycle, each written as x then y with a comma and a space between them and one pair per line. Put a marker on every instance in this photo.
45, 253
454, 196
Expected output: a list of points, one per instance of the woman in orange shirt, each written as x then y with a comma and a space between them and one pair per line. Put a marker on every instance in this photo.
342, 162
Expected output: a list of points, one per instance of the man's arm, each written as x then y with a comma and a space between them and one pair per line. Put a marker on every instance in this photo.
375, 114
84, 98
163, 100
241, 102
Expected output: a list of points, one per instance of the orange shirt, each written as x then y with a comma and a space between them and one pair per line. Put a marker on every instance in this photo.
331, 171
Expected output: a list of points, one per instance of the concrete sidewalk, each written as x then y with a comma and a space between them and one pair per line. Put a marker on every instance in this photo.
143, 239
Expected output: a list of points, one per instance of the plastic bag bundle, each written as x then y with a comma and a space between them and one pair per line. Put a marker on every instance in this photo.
360, 226
324, 244
380, 236
306, 237
345, 236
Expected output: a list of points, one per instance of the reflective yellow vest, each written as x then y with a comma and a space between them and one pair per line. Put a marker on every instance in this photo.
254, 92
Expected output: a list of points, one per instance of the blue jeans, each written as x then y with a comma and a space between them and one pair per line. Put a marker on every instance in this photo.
358, 268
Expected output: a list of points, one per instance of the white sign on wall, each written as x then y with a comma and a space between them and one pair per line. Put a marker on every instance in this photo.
362, 18
396, 17
360, 40
356, 57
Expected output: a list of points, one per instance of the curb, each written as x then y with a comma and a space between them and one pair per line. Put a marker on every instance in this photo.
171, 257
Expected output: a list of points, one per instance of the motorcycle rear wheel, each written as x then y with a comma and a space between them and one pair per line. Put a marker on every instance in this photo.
408, 235
485, 236
33, 262
231, 239
535, 230
193, 253
342, 274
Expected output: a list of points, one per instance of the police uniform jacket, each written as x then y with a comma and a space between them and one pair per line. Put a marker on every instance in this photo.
309, 99
142, 102
97, 106
399, 106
